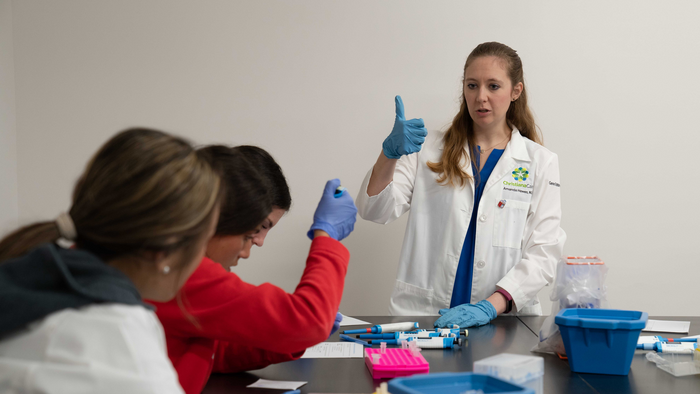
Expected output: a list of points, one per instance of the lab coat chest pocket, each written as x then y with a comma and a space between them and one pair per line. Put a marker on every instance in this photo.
509, 224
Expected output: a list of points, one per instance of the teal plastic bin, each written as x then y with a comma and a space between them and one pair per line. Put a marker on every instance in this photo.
454, 383
600, 341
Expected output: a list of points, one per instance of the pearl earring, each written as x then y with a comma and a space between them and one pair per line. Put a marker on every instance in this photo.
166, 270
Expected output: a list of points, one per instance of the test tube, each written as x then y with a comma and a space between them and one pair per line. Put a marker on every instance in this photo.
382, 347
415, 350
404, 344
375, 358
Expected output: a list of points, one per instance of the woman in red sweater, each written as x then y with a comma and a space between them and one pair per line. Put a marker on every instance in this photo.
223, 324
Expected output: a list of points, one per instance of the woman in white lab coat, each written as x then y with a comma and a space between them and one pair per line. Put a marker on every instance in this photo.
483, 233
73, 320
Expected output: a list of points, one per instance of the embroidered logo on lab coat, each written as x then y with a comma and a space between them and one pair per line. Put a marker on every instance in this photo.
520, 174
521, 183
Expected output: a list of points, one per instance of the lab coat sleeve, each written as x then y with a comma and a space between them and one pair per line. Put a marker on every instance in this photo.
395, 199
543, 240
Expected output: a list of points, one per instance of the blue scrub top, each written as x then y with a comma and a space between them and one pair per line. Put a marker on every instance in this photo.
462, 291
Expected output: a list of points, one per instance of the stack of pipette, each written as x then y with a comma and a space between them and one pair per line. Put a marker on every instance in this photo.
395, 334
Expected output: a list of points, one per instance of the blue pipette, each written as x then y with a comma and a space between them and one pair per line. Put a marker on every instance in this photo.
407, 334
339, 192
670, 340
383, 328
344, 337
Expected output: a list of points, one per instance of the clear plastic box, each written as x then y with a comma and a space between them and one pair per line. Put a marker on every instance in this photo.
676, 364
526, 371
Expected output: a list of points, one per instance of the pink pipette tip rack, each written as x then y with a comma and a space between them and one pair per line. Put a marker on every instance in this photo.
395, 362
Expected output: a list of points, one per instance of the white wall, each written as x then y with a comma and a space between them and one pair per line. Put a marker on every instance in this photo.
613, 84
8, 133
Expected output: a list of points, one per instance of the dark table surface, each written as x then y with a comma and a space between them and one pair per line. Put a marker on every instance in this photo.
644, 376
505, 334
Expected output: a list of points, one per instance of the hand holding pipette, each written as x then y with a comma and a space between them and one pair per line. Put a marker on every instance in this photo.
336, 323
334, 215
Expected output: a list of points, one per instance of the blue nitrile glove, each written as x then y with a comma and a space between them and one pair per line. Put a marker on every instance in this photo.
336, 323
336, 216
467, 315
407, 135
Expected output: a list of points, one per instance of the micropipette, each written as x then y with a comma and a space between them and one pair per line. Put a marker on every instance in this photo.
339, 192
344, 337
677, 348
425, 343
383, 328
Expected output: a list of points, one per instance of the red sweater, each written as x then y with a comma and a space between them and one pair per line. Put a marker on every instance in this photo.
238, 321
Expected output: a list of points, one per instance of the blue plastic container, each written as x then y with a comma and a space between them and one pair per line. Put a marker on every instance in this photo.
600, 340
454, 383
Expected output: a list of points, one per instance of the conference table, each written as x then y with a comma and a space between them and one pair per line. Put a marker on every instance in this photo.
505, 334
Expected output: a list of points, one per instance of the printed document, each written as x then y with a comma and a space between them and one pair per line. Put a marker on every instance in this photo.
667, 326
335, 350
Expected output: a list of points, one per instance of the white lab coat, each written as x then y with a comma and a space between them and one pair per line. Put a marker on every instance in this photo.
517, 246
102, 348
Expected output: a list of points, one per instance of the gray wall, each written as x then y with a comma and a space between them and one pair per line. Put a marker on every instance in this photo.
8, 133
613, 85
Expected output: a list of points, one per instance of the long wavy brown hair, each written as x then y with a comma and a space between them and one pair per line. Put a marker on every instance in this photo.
461, 132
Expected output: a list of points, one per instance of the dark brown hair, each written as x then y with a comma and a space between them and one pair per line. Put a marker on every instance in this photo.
461, 132
248, 200
270, 170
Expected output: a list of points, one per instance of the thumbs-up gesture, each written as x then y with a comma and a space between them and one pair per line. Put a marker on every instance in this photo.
407, 135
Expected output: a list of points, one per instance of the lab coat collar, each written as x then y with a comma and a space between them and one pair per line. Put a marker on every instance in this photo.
515, 150
517, 147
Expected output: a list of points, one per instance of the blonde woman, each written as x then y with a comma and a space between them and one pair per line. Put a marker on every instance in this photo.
484, 232
73, 320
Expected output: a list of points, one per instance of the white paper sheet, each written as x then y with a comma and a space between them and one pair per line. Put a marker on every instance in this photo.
335, 350
276, 384
646, 339
351, 321
692, 336
667, 326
